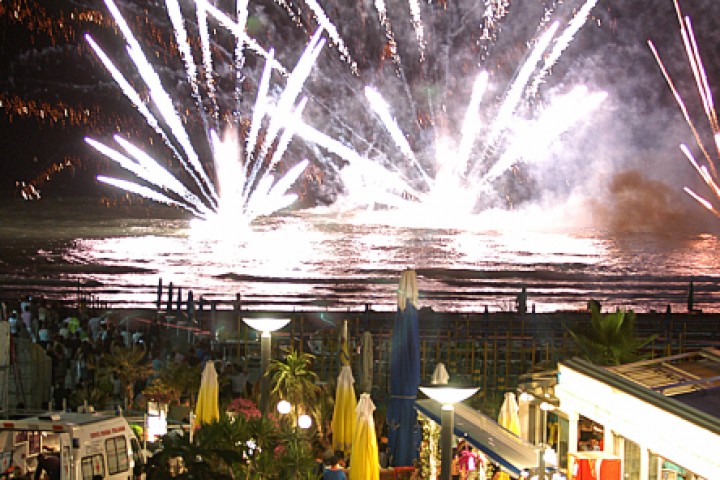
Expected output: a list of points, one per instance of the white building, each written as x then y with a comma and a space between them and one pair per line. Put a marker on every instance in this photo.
660, 416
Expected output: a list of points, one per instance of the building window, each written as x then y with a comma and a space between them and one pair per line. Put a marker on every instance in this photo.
630, 452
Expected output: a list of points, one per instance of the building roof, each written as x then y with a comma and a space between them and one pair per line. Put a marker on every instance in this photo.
692, 378
685, 385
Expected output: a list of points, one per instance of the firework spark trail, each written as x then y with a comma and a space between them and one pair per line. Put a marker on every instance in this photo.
258, 112
293, 16
241, 10
191, 70
382, 109
562, 43
693, 53
471, 124
230, 172
328, 26
279, 117
701, 169
204, 32
134, 97
389, 180
702, 201
238, 30
162, 101
556, 120
385, 22
702, 83
274, 199
158, 175
294, 118
515, 92
679, 101
418, 26
141, 190
269, 194
708, 173
197, 209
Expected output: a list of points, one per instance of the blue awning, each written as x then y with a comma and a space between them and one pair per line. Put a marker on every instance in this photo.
503, 447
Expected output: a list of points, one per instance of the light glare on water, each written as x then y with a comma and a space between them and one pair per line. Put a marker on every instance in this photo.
313, 260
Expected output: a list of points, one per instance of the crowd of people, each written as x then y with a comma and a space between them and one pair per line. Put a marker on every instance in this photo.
78, 339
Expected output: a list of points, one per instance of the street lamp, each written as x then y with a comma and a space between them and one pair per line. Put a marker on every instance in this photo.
545, 407
448, 396
266, 326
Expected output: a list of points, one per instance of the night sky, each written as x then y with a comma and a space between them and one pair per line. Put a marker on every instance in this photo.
54, 91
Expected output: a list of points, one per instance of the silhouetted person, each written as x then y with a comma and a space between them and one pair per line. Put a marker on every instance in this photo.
50, 464
521, 302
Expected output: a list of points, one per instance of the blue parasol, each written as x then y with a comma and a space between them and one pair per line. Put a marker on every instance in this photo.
403, 433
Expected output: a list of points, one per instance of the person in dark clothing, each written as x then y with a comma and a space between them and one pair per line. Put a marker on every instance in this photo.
50, 464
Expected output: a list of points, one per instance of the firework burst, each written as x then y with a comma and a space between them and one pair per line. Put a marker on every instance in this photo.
708, 171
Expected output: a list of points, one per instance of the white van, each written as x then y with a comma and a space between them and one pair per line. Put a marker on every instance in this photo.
83, 446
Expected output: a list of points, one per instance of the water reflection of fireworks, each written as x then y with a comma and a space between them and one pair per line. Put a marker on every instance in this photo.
708, 172
444, 174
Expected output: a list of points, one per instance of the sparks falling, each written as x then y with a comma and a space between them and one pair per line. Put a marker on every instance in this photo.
243, 185
459, 173
708, 171
456, 171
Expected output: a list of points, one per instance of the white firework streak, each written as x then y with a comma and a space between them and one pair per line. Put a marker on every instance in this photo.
153, 174
280, 116
207, 59
382, 109
708, 173
162, 100
258, 112
562, 43
151, 120
325, 22
191, 70
385, 22
283, 143
515, 92
269, 195
242, 16
140, 190
238, 29
383, 179
418, 26
471, 124
562, 114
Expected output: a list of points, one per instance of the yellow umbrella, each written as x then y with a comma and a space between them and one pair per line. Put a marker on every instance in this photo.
365, 464
207, 409
343, 422
510, 419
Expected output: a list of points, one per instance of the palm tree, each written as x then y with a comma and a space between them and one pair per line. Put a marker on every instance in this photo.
293, 379
129, 365
610, 338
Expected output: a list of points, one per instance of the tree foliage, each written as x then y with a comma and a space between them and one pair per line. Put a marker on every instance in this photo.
294, 380
609, 339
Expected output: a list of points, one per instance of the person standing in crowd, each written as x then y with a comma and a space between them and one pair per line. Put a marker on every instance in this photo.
13, 321
333, 469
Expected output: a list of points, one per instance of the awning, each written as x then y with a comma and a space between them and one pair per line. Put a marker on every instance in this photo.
511, 452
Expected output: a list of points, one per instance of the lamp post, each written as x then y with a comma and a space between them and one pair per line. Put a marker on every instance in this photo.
266, 326
545, 407
447, 396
